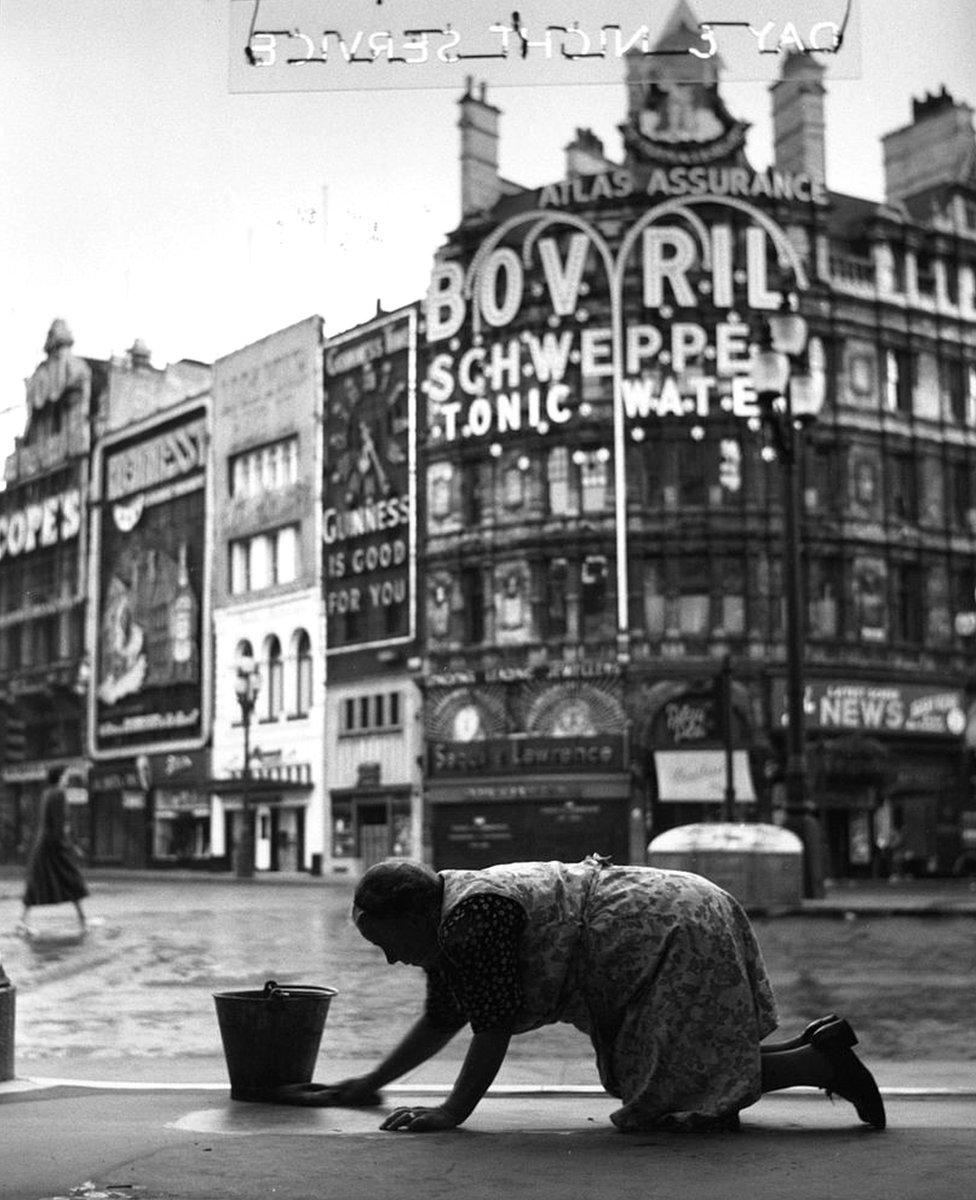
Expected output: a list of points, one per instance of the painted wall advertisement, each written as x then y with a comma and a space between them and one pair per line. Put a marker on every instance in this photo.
150, 590
369, 518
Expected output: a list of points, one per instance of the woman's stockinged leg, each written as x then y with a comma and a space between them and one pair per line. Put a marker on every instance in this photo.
802, 1067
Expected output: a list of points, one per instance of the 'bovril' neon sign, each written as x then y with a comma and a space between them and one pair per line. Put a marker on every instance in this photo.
484, 383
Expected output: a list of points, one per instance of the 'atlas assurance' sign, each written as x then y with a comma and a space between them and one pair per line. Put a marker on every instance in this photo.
664, 308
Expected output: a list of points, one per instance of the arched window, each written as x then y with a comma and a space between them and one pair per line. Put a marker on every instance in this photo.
274, 675
302, 644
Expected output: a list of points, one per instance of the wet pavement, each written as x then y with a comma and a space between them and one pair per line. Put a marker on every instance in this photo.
197, 1145
131, 1002
133, 999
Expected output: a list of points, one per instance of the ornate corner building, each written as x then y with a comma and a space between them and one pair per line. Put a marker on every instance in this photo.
43, 588
604, 523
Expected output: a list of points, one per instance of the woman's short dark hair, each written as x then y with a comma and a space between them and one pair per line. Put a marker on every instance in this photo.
395, 888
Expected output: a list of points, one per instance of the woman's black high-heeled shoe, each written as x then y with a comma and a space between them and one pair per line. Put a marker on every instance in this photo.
806, 1037
851, 1080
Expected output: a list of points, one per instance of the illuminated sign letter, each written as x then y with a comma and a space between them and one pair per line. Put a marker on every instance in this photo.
445, 304
564, 281
501, 312
673, 267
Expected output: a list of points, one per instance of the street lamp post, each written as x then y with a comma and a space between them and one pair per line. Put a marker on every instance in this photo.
247, 685
790, 397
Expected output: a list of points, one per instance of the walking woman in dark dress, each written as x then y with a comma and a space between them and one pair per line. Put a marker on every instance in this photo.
53, 876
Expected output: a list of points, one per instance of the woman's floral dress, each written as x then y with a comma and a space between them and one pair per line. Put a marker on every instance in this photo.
660, 968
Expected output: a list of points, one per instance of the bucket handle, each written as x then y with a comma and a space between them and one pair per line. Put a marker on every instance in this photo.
276, 991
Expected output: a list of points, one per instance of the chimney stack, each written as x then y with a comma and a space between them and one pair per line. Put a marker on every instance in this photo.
799, 129
478, 123
937, 148
585, 156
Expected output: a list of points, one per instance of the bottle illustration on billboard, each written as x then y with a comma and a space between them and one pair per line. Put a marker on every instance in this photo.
183, 623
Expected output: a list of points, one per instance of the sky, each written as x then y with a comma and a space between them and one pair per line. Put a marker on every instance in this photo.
143, 198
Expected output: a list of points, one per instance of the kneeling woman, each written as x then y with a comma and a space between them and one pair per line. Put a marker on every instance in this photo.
660, 968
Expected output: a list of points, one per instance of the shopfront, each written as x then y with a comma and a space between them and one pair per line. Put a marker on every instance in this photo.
700, 771
25, 784
180, 808
529, 763
565, 817
119, 813
279, 796
370, 823
887, 767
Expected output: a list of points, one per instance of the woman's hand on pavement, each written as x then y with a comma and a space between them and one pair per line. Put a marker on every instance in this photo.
419, 1120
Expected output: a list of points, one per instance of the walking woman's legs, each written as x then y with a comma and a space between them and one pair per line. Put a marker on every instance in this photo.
81, 913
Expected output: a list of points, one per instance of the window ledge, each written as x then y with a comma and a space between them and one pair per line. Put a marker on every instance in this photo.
373, 729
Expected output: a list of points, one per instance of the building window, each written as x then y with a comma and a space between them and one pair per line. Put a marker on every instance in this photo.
372, 713
303, 674
594, 595
274, 672
971, 396
730, 465
654, 600
964, 596
825, 589
899, 382
11, 642
909, 608
693, 597
557, 581
513, 487
925, 274
473, 594
951, 276
904, 486
440, 477
959, 474
472, 493
954, 389
264, 560
692, 474
731, 584
594, 478
264, 469
47, 639
561, 499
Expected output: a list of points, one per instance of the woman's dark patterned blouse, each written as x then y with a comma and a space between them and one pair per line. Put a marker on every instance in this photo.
478, 978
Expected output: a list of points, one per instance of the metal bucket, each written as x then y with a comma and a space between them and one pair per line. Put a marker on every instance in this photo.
271, 1037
